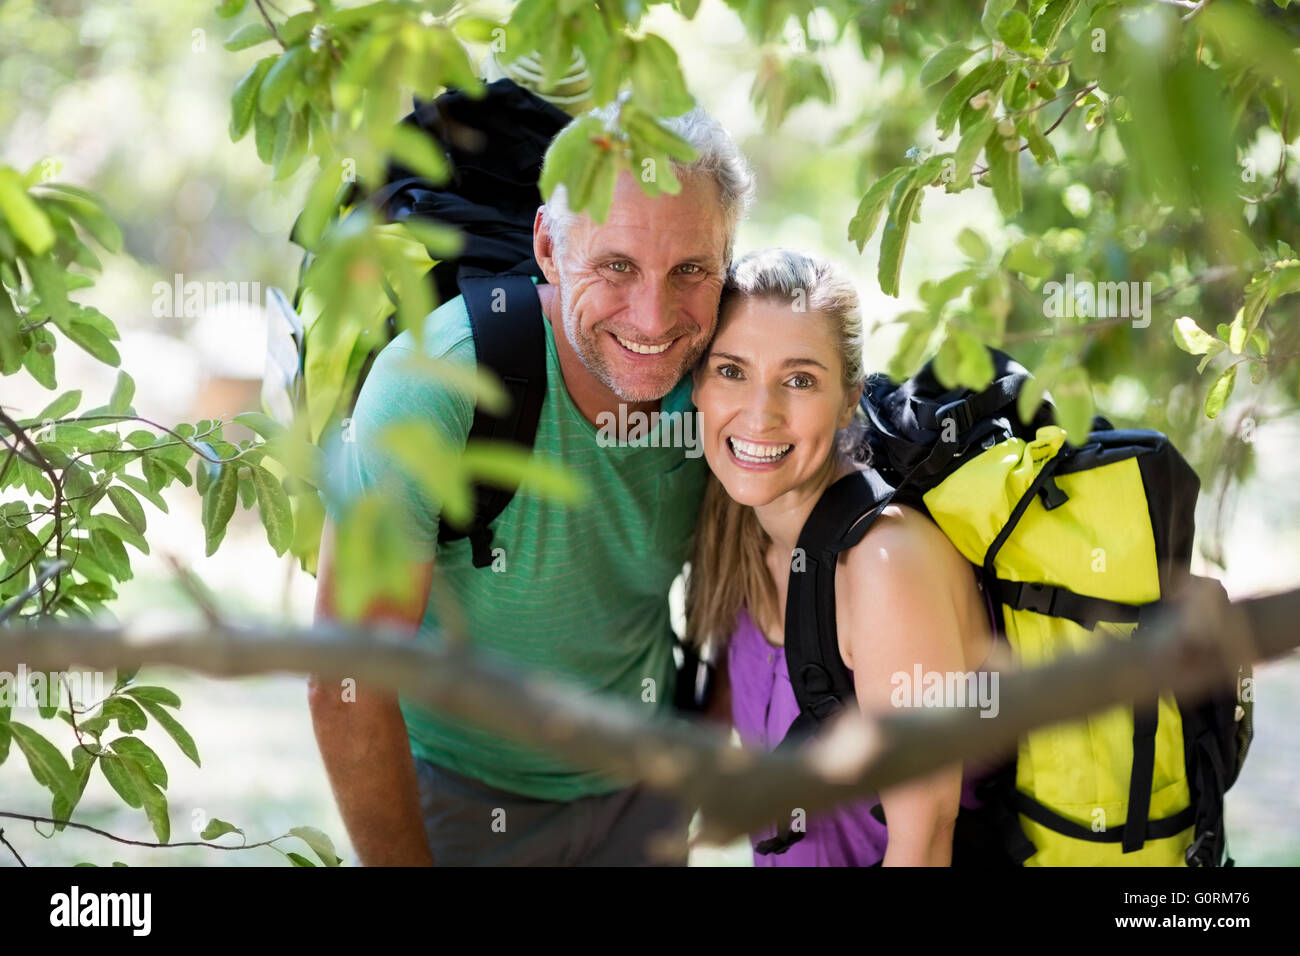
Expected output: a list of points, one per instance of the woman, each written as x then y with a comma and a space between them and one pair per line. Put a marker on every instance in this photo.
778, 393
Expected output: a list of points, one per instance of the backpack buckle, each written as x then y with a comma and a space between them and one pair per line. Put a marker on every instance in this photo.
1040, 598
1196, 853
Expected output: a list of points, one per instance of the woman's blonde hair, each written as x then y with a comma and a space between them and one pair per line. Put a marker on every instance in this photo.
728, 568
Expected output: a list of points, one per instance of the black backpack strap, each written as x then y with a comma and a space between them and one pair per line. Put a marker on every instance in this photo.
842, 516
822, 685
506, 319
971, 407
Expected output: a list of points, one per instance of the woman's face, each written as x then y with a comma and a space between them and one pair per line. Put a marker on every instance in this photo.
771, 397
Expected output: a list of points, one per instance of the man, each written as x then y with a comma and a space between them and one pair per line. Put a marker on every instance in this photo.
629, 306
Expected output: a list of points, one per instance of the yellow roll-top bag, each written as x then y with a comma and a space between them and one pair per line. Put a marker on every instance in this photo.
1096, 541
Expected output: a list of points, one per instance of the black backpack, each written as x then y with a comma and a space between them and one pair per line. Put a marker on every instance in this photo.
909, 458
495, 145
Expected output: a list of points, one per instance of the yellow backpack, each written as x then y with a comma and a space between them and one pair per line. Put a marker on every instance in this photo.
1075, 546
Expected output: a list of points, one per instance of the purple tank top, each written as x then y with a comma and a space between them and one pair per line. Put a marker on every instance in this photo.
763, 707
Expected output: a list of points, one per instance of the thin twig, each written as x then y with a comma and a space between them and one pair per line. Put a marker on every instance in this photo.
11, 848
981, 170
12, 607
197, 591
112, 836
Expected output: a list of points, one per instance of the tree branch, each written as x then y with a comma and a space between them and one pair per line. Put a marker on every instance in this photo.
739, 790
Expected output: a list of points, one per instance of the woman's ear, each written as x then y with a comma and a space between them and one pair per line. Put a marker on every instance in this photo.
852, 399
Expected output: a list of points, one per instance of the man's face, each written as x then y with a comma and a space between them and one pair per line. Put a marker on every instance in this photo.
639, 292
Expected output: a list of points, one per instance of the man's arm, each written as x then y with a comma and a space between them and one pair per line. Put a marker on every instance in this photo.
364, 742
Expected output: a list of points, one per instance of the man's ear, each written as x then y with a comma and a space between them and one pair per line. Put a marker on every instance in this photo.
544, 248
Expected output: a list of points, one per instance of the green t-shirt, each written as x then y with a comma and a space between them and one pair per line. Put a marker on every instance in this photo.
584, 589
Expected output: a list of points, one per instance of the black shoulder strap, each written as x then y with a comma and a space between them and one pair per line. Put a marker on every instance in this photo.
822, 684
843, 515
506, 319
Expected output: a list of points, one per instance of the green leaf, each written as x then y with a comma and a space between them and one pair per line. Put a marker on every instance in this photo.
505, 465
47, 765
284, 70
1004, 172
137, 750
1072, 395
1215, 349
217, 828
114, 770
1026, 257
28, 222
83, 761
123, 391
159, 695
127, 713
173, 727
117, 527
973, 139
93, 341
1220, 391
942, 64
1013, 28
60, 407
1190, 337
273, 505
902, 208
243, 101
85, 208
219, 504
863, 224
657, 78
290, 146
993, 11
128, 506
250, 34
981, 77
142, 488
320, 844
947, 362
299, 860
155, 804
974, 364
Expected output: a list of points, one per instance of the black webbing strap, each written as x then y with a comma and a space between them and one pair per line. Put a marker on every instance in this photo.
506, 320
1018, 512
1146, 719
1083, 609
1155, 829
842, 516
965, 412
1210, 843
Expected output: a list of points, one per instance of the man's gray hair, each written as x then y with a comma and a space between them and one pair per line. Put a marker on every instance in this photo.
716, 156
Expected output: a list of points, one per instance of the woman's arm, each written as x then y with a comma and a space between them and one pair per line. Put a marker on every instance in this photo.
901, 591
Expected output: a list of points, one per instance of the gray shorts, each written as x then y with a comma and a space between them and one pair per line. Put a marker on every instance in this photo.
469, 823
